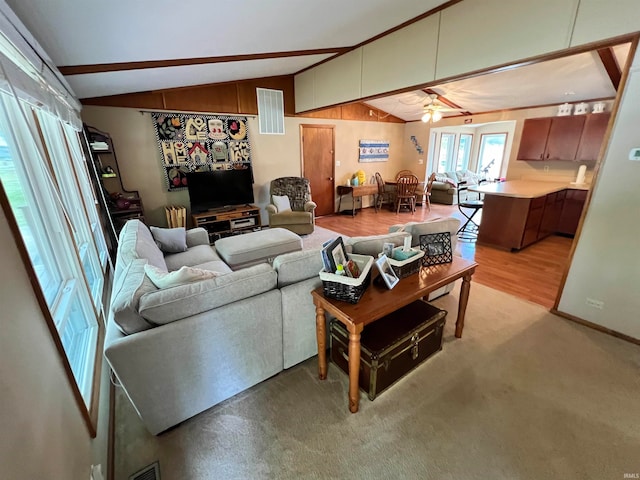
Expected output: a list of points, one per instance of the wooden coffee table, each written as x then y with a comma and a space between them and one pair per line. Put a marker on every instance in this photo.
376, 302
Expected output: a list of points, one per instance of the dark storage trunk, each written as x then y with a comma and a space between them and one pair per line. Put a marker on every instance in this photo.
391, 346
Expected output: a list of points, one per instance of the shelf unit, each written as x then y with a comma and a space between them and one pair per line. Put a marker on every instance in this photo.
228, 221
121, 204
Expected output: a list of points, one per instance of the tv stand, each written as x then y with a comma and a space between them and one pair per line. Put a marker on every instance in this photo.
226, 221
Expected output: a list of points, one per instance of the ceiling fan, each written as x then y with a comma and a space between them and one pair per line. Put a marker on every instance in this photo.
433, 111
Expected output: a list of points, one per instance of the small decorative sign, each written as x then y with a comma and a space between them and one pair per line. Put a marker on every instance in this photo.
374, 151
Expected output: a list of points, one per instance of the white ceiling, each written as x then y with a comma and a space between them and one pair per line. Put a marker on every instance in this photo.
85, 32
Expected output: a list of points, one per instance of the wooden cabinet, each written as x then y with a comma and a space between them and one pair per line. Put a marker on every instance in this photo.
551, 138
515, 222
571, 137
571, 211
595, 126
228, 221
121, 204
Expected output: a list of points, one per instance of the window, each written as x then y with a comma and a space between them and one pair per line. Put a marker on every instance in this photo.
54, 213
464, 151
445, 153
491, 154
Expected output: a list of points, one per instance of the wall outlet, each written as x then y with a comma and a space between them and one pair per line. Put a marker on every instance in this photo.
337, 163
420, 161
546, 168
592, 302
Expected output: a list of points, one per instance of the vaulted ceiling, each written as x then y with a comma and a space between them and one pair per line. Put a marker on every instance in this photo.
125, 46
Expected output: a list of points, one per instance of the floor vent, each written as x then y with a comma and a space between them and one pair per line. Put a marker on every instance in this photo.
152, 472
270, 111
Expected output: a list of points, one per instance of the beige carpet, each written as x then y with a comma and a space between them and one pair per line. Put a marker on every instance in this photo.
524, 395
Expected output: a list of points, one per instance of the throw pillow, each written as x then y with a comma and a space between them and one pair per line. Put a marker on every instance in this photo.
282, 203
178, 277
170, 240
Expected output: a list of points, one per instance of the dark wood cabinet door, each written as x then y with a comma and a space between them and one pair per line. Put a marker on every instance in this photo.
534, 138
571, 211
595, 127
564, 137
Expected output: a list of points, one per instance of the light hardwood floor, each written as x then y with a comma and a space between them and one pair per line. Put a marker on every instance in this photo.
534, 273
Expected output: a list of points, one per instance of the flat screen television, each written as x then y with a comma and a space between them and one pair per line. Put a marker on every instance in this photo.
219, 188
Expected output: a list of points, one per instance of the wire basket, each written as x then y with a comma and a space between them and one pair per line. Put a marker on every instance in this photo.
348, 289
404, 268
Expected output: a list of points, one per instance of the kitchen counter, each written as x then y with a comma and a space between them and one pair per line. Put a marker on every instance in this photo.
520, 212
525, 188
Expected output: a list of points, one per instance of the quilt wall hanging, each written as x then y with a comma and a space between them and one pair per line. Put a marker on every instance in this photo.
373, 151
199, 143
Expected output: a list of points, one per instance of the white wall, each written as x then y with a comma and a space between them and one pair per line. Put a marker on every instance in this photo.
272, 155
43, 434
606, 264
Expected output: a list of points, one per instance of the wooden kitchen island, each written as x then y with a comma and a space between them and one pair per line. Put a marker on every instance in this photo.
518, 213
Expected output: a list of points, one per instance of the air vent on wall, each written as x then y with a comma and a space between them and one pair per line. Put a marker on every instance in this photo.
270, 111
151, 472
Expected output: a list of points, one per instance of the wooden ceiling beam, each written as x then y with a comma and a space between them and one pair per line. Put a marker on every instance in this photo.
610, 64
446, 101
181, 62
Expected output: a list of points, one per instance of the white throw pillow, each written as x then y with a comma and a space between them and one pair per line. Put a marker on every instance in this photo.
178, 277
170, 240
282, 203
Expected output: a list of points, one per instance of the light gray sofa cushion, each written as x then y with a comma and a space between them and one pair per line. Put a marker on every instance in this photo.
171, 304
438, 225
215, 266
297, 266
135, 241
197, 236
192, 257
126, 294
257, 247
372, 245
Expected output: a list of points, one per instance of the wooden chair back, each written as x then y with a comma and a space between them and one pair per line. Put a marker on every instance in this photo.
402, 173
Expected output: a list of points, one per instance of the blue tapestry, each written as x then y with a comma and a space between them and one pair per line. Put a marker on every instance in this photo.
374, 151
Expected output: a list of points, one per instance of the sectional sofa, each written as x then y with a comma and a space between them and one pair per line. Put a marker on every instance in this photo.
179, 350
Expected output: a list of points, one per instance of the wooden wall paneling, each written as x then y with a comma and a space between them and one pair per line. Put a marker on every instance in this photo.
385, 69
334, 113
508, 32
358, 111
247, 96
221, 98
304, 90
338, 80
597, 20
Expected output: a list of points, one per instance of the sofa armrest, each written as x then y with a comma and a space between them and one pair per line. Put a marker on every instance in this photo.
310, 206
197, 236
271, 209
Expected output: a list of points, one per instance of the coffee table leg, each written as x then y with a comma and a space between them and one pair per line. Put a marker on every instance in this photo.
321, 337
462, 304
354, 367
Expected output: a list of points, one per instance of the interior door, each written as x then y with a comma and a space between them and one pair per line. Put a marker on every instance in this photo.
318, 142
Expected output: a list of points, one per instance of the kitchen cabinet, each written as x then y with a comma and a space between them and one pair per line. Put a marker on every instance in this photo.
595, 126
571, 211
551, 138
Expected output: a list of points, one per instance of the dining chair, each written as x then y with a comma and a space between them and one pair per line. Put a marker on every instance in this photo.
406, 192
427, 189
402, 173
383, 193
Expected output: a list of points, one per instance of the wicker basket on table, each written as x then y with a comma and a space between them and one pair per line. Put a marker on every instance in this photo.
348, 289
404, 268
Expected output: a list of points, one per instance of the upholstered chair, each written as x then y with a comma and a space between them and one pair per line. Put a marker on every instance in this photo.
291, 206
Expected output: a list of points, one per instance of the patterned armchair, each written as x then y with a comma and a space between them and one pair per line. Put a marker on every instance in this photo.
298, 213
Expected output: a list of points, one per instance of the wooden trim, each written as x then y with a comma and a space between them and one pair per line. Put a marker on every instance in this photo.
433, 11
44, 308
182, 62
595, 326
611, 66
596, 171
111, 438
